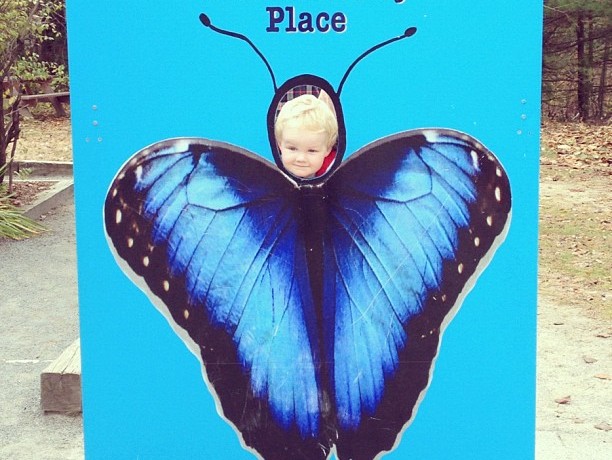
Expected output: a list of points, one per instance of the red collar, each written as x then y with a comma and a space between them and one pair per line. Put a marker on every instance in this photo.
327, 162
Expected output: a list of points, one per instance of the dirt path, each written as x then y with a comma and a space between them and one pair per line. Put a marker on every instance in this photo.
574, 387
574, 396
574, 391
39, 319
576, 240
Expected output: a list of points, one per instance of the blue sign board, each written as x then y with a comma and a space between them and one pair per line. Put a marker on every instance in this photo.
307, 230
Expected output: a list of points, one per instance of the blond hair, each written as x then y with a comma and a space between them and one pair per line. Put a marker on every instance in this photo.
311, 113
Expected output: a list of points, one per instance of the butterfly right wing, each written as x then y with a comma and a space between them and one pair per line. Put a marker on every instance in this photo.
414, 219
209, 232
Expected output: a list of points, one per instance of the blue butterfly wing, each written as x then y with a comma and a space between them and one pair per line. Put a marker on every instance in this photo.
413, 219
210, 233
262, 279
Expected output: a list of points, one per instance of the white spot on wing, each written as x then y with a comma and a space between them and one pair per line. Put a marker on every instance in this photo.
474, 158
118, 216
181, 145
497, 194
489, 220
145, 261
431, 135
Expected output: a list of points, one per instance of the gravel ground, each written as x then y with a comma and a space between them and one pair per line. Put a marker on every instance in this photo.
39, 312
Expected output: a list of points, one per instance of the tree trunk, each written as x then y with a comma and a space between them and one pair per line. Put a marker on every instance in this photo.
9, 127
601, 96
584, 84
3, 143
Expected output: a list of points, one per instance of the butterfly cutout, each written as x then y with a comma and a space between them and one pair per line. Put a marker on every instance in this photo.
315, 308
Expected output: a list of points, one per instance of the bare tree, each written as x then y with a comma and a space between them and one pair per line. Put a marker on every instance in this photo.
576, 56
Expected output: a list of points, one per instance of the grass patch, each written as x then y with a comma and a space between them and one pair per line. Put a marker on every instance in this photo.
13, 224
576, 245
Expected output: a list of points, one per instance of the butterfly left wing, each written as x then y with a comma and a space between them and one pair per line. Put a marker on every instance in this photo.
414, 218
209, 232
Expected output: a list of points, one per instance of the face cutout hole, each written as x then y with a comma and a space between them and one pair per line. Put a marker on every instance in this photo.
306, 131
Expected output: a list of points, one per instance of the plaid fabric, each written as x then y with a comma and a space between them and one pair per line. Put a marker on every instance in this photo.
300, 90
296, 91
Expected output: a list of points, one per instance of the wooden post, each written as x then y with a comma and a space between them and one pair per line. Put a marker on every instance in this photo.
60, 382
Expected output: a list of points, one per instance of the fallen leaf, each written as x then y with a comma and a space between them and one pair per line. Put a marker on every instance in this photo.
603, 426
603, 376
564, 400
589, 360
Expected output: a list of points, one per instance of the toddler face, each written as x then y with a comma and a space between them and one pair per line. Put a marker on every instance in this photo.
303, 150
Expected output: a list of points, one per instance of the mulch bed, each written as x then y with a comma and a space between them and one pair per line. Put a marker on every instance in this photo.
25, 193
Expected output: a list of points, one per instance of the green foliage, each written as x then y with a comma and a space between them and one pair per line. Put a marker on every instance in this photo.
14, 26
23, 173
25, 27
13, 224
31, 70
24, 24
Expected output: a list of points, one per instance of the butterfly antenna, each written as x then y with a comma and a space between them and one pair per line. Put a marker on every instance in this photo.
407, 33
206, 21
